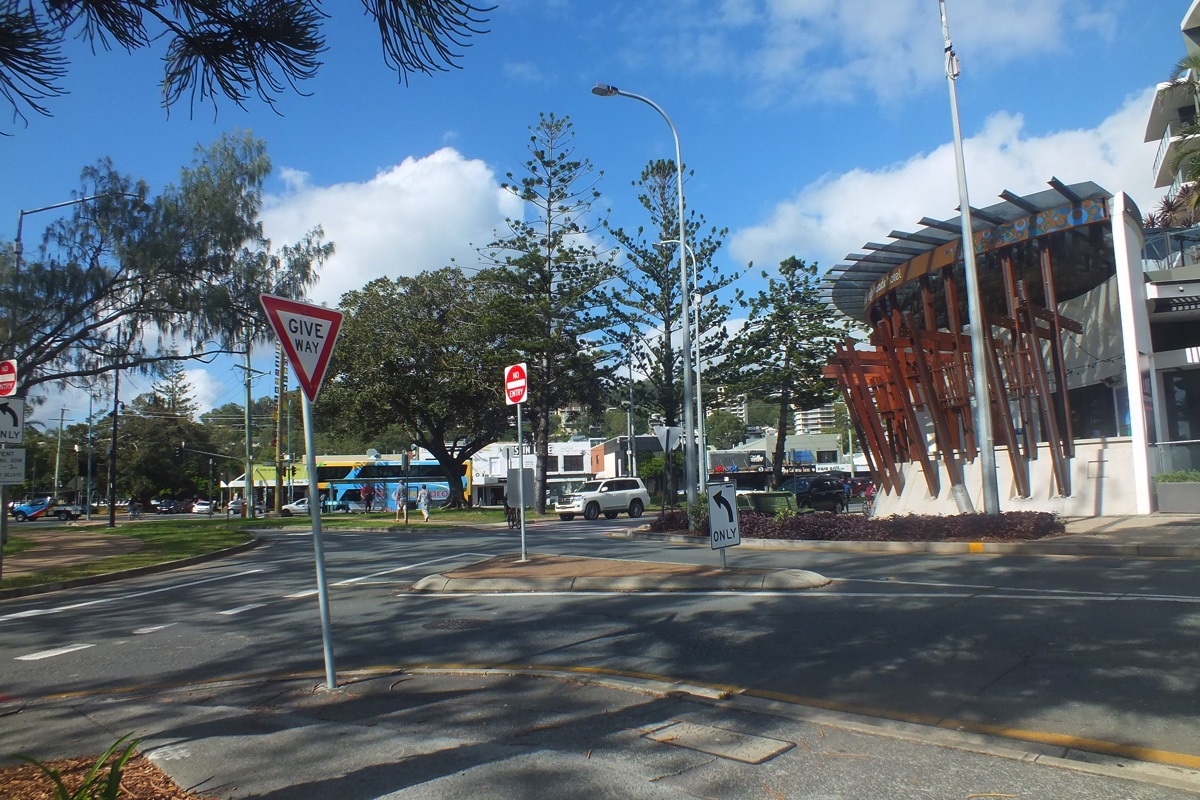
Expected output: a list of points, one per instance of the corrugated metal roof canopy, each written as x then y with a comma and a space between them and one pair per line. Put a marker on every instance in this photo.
845, 285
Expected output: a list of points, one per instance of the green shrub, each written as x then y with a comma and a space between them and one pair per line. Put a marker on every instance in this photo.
1179, 476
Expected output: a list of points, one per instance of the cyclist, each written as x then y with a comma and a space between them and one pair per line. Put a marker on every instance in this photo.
869, 500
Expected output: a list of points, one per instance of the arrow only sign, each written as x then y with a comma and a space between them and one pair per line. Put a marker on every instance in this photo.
723, 527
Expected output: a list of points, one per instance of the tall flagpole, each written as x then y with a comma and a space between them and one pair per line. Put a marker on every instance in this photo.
983, 403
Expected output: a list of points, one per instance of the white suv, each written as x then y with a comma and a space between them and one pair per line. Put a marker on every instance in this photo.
610, 496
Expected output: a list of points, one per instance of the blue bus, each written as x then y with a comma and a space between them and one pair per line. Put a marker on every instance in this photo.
359, 483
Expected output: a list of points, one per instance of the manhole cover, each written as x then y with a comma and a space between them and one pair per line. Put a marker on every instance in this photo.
455, 624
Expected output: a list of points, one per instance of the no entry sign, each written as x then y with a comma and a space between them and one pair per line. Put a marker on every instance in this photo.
8, 378
516, 384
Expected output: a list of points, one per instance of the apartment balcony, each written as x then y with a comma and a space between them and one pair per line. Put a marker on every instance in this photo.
1171, 149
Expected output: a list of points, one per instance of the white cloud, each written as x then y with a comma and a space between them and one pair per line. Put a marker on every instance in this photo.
412, 217
836, 214
800, 51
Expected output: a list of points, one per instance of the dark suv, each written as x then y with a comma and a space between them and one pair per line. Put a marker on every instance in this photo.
818, 492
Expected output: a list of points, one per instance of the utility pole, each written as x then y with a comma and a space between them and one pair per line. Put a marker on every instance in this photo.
248, 480
62, 414
112, 452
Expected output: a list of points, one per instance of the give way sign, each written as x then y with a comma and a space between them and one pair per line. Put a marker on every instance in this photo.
307, 334
516, 384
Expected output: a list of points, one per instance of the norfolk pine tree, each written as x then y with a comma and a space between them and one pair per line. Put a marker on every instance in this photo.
219, 48
649, 304
782, 351
550, 280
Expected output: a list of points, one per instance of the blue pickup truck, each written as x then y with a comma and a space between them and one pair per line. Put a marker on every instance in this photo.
45, 507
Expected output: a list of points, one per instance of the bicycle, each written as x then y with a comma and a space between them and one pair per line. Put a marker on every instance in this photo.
511, 516
868, 505
135, 512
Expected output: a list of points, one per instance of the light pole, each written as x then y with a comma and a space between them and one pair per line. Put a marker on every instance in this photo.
629, 417
979, 361
689, 424
701, 438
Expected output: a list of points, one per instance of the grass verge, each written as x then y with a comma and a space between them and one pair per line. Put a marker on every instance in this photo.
161, 542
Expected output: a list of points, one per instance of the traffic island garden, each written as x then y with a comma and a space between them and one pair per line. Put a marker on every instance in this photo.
1011, 526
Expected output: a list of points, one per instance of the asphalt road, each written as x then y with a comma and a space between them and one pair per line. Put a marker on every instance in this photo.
1094, 649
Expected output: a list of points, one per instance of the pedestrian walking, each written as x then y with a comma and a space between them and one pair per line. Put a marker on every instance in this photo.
401, 498
423, 502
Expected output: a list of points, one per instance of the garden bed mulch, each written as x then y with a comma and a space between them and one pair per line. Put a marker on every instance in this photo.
140, 780
1012, 526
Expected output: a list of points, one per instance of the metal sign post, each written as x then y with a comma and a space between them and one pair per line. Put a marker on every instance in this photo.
307, 334
314, 509
516, 390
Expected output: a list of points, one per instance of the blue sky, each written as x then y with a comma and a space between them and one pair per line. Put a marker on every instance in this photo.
812, 126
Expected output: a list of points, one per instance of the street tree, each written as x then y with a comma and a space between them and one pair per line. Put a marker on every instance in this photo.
152, 427
724, 430
550, 281
432, 375
649, 308
132, 282
216, 48
781, 353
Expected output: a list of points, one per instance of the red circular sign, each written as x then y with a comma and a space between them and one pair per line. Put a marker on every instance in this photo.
515, 384
8, 378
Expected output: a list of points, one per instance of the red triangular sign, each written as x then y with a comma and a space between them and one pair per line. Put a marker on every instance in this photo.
307, 333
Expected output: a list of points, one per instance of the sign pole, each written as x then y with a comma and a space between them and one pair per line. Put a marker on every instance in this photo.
310, 461
307, 334
521, 482
516, 391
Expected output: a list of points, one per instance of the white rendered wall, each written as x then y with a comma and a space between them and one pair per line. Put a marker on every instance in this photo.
1100, 484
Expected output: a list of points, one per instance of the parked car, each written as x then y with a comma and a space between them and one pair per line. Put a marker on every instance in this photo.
168, 505
202, 507
298, 507
610, 496
237, 504
818, 492
45, 507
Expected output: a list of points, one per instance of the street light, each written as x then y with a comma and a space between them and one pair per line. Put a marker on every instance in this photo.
689, 424
702, 440
979, 361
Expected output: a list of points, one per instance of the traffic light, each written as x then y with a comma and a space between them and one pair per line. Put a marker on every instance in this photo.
179, 453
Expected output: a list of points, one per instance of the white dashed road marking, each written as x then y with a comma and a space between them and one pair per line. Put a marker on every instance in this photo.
58, 651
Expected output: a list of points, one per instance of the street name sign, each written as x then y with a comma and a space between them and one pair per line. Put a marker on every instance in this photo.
516, 384
12, 466
8, 377
12, 420
307, 333
723, 527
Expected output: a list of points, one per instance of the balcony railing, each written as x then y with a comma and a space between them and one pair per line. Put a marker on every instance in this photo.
1164, 144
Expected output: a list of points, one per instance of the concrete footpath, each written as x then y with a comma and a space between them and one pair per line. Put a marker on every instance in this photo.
439, 731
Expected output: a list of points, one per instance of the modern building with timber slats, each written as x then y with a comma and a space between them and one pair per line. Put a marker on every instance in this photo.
1093, 356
